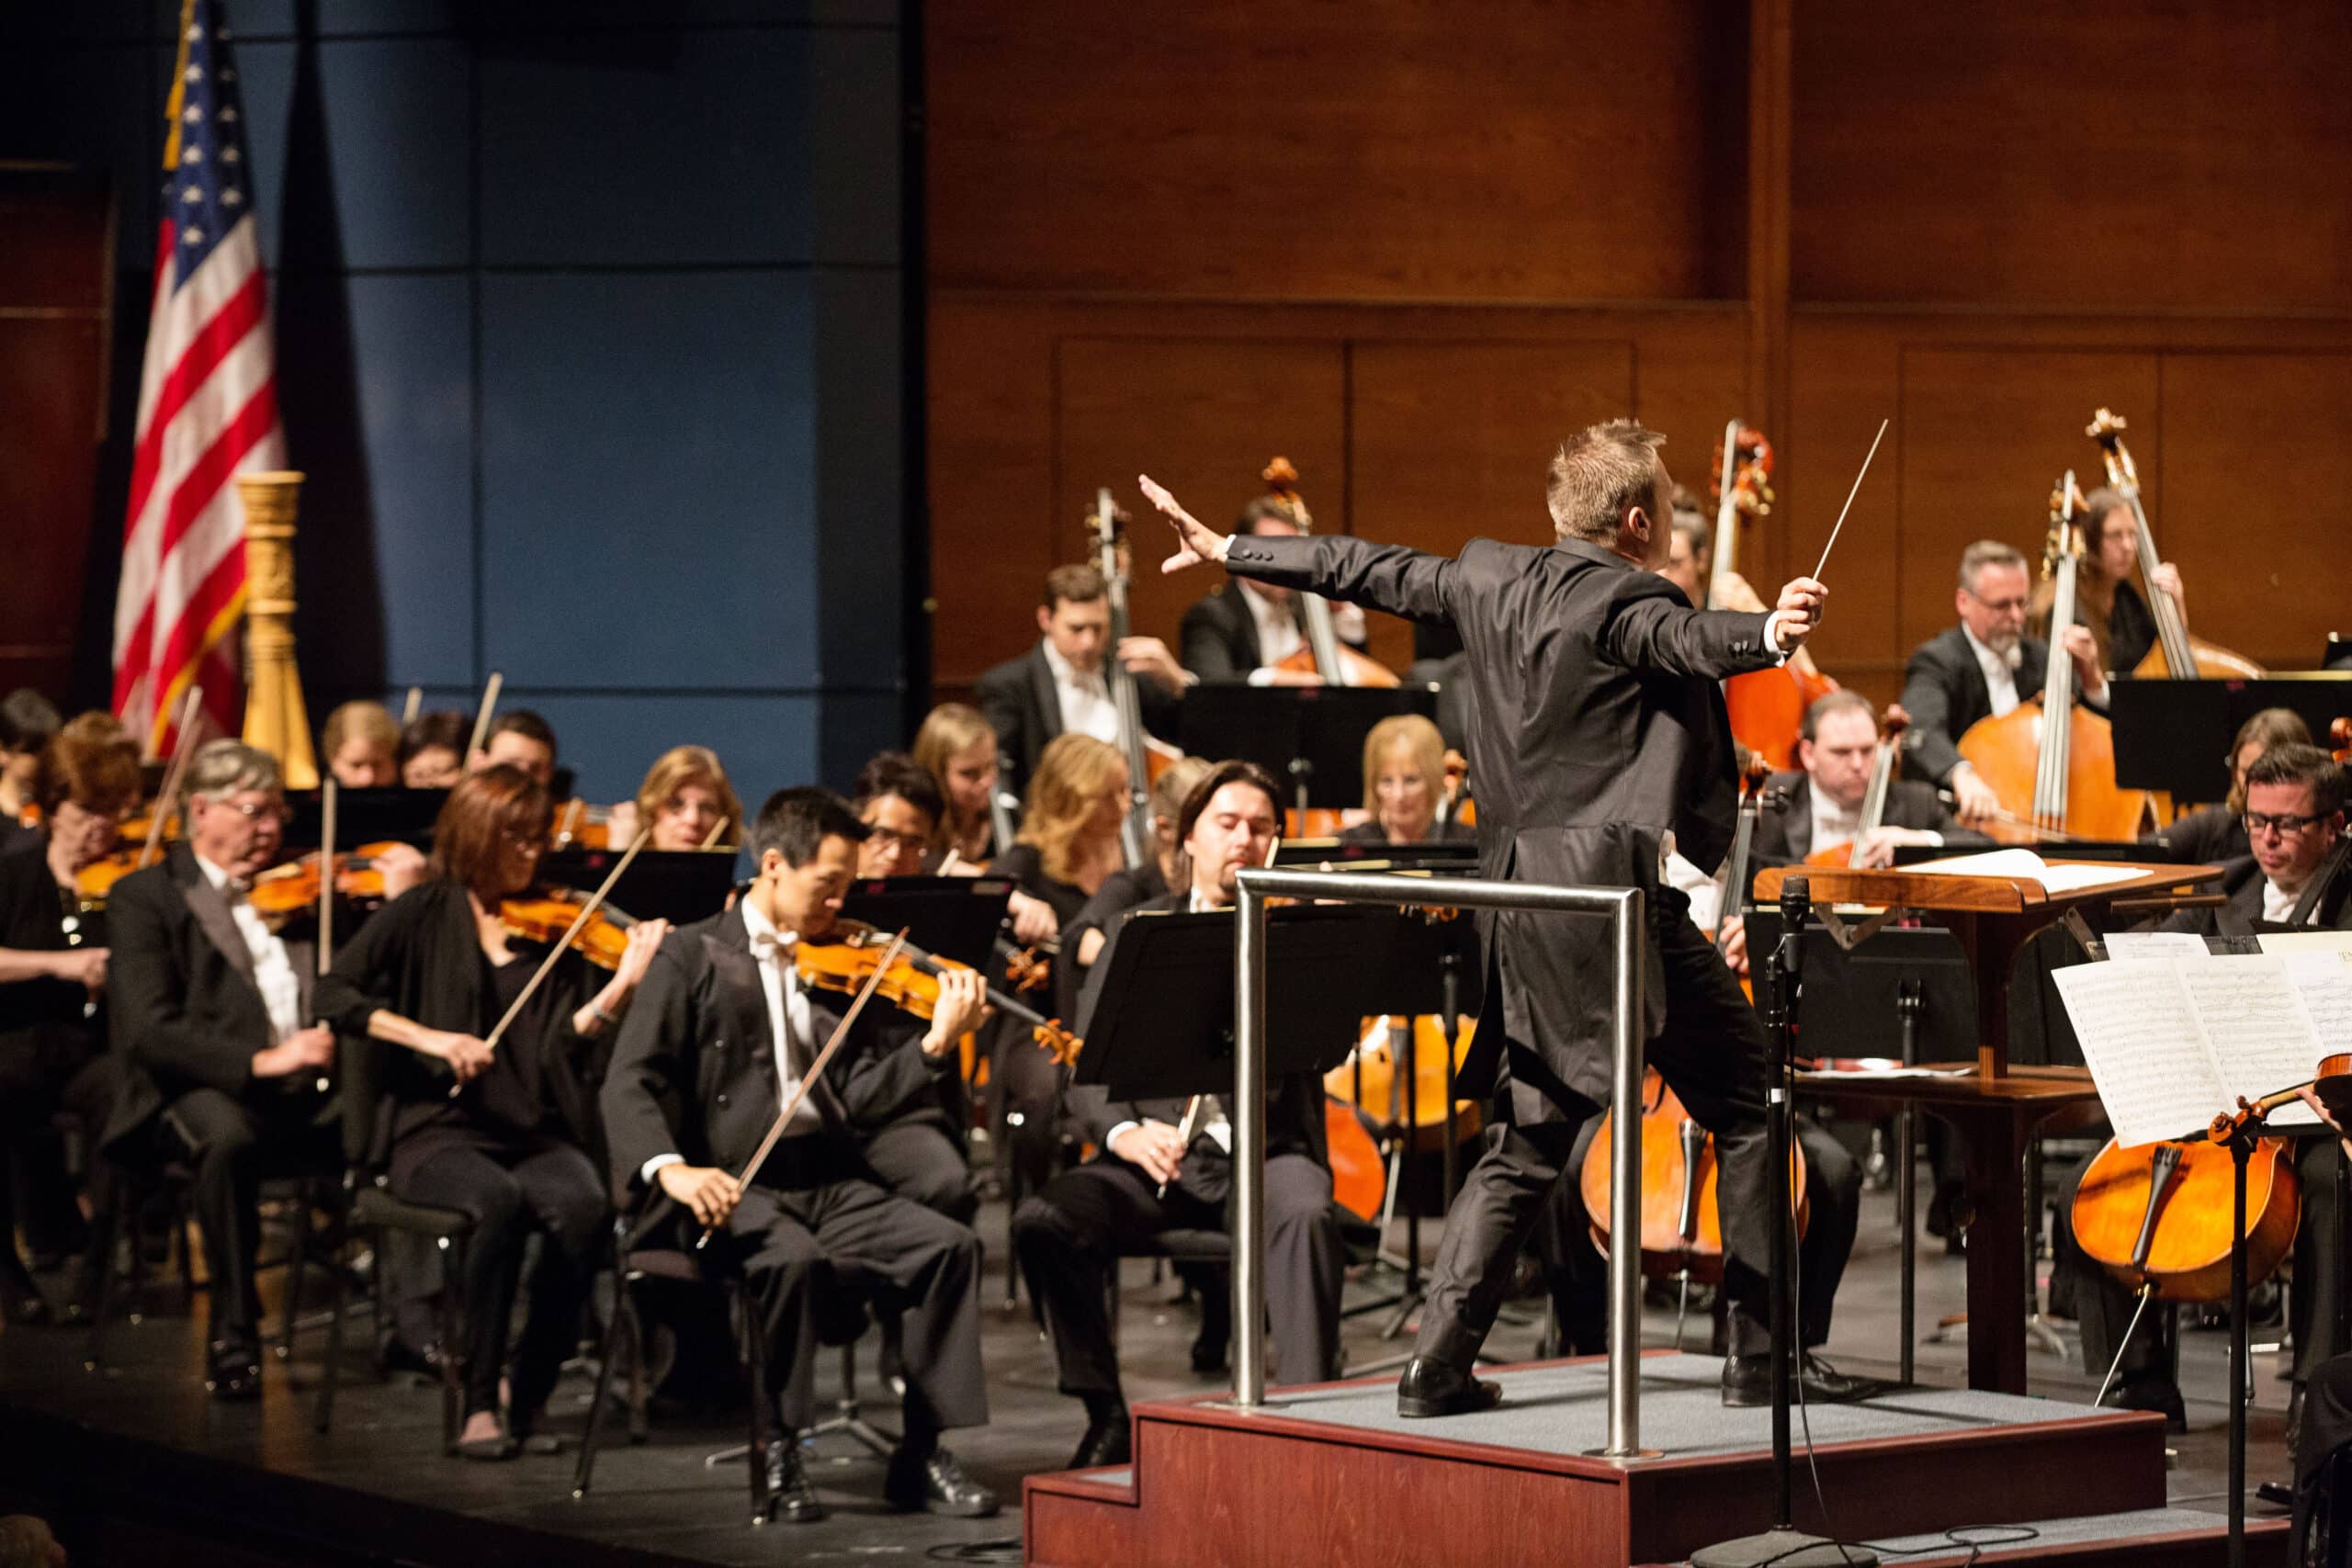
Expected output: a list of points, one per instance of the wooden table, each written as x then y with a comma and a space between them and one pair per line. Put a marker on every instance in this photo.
1995, 1110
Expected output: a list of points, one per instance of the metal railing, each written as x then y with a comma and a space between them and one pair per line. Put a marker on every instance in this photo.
1626, 909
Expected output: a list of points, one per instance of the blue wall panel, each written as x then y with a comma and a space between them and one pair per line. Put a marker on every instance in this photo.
646, 488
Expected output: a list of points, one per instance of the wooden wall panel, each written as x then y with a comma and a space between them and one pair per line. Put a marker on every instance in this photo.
2101, 153
1450, 440
1202, 416
1342, 149
2246, 499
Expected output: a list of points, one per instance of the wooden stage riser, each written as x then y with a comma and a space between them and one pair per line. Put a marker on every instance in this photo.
1218, 1493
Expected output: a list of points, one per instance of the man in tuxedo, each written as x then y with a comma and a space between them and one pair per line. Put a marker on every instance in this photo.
1603, 732
1059, 686
1982, 669
1836, 749
723, 1033
210, 1007
1148, 1178
1240, 631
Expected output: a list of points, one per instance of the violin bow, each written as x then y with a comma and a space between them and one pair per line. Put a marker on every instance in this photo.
595, 901
808, 1080
710, 839
482, 715
326, 890
183, 744
1849, 500
410, 708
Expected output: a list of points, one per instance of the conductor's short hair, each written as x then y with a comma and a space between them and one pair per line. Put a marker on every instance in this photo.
1598, 474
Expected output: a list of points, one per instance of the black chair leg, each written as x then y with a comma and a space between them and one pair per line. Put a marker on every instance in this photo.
297, 1255
763, 1427
615, 1333
453, 1273
109, 1228
185, 1253
333, 1368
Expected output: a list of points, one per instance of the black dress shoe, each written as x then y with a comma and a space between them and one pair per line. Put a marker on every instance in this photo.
790, 1497
935, 1484
233, 1370
2156, 1392
1432, 1388
395, 1354
1107, 1441
1747, 1381
1208, 1358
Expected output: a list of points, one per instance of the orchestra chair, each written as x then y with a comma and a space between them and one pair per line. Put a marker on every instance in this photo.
366, 1206
634, 1264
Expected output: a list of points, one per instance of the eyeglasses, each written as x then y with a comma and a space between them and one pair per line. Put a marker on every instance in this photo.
904, 841
2287, 823
269, 811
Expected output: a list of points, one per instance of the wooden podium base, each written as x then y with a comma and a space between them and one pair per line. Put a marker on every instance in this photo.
1328, 1474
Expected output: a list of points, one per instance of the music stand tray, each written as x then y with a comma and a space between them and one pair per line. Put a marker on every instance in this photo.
363, 816
677, 885
953, 916
1313, 734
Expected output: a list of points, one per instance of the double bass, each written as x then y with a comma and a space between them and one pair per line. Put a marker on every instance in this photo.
1766, 706
1107, 525
2177, 654
1324, 654
2050, 761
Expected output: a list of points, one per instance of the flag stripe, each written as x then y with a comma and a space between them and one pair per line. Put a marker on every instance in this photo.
212, 344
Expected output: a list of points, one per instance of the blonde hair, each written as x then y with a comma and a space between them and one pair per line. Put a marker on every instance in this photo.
946, 730
1073, 774
1597, 474
369, 720
1409, 729
684, 765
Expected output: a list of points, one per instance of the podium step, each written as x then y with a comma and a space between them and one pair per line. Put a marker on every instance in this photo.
2143, 1537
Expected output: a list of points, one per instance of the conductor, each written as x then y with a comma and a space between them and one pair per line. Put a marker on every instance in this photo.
1600, 742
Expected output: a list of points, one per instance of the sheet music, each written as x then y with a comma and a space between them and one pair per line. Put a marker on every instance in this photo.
2026, 864
2158, 945
2325, 982
2147, 1052
2305, 942
2262, 1034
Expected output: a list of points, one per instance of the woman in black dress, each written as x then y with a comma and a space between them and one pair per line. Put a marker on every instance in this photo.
433, 972
52, 988
1404, 787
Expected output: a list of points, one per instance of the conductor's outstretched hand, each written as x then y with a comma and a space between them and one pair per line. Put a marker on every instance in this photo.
1802, 603
1197, 540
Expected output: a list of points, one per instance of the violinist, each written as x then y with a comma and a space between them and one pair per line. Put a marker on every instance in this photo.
1243, 630
433, 750
1982, 667
53, 961
2212, 835
686, 1104
959, 750
1405, 797
1068, 847
1837, 746
518, 739
1146, 1180
1576, 652
212, 1023
433, 973
361, 745
687, 801
899, 804
2119, 621
28, 719
1057, 687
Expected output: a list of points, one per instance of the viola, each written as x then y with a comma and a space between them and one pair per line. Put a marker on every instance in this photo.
1377, 1066
911, 982
2158, 1217
293, 886
545, 916
2050, 761
1766, 706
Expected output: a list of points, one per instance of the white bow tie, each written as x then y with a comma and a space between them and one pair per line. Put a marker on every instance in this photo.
767, 945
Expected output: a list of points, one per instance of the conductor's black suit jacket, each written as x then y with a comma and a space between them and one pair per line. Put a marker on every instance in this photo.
1597, 728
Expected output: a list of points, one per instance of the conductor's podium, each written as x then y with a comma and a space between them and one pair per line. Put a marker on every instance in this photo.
1331, 1474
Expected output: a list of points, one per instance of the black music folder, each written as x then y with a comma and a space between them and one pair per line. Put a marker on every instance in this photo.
951, 917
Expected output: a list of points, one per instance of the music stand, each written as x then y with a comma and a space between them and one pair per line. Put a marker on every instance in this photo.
1312, 736
1451, 855
363, 816
950, 917
2175, 735
677, 885
1158, 1007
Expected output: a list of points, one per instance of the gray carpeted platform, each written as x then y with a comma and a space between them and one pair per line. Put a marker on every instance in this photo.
2003, 1540
1565, 1409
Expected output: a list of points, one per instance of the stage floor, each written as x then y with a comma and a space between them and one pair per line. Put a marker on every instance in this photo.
145, 1448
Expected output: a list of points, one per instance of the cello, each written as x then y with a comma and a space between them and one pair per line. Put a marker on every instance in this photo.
1324, 654
1849, 854
2050, 761
1766, 706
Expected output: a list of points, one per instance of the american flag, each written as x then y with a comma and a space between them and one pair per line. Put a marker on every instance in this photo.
207, 408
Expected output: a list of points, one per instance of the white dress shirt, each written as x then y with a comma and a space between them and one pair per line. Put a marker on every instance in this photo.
788, 1019
1832, 823
1214, 1125
2000, 672
2278, 903
281, 987
1085, 698
1278, 633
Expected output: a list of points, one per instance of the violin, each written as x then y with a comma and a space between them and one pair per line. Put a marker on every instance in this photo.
96, 880
545, 916
1848, 852
1324, 654
1766, 706
912, 982
580, 826
2050, 761
293, 886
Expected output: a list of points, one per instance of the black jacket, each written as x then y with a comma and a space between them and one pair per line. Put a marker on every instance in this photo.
2130, 629
1293, 1104
2207, 836
694, 1068
182, 1006
1220, 636
45, 1028
1944, 692
2243, 881
1018, 699
1786, 835
1596, 727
